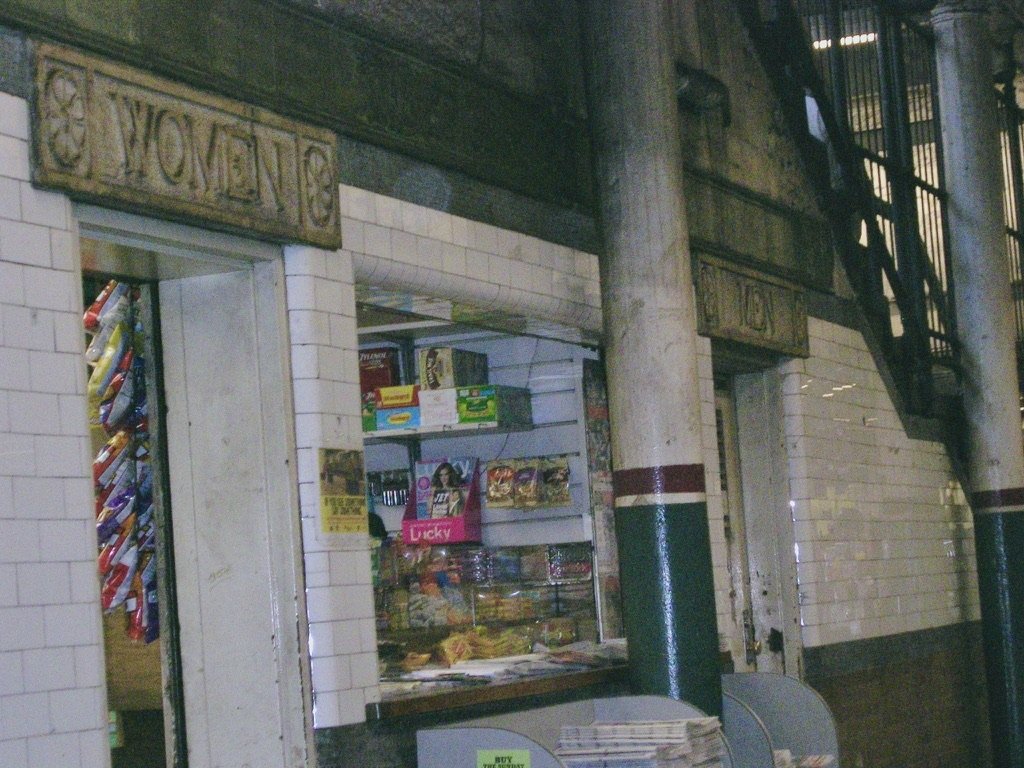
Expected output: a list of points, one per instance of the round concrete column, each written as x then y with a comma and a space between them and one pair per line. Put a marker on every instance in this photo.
984, 305
650, 335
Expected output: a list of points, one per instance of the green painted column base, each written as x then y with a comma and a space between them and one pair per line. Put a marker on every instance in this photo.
669, 606
999, 540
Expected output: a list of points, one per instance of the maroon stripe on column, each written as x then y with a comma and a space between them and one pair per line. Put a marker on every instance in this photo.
1004, 497
676, 478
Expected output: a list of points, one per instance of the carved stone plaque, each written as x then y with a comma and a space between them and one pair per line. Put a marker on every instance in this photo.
115, 135
744, 305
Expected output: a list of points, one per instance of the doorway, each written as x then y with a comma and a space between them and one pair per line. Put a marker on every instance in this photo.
758, 524
230, 683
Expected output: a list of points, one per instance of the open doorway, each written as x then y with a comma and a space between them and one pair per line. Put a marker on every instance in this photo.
229, 669
133, 526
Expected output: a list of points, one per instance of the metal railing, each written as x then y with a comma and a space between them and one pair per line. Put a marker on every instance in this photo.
867, 77
1011, 120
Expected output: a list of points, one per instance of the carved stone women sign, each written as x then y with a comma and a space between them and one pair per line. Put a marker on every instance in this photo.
112, 134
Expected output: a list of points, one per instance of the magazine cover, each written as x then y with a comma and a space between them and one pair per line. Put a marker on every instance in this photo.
444, 506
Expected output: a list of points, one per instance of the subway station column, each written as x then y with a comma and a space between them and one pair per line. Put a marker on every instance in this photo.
984, 305
650, 336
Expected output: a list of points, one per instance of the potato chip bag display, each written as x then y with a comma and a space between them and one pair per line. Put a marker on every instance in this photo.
554, 472
501, 477
527, 490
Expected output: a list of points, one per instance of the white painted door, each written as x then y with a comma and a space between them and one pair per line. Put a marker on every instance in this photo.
236, 526
759, 530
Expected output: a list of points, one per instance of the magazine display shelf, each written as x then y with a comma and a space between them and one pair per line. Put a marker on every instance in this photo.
537, 730
792, 714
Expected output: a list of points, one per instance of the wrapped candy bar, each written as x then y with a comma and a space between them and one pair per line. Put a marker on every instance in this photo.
91, 320
114, 514
110, 458
106, 368
122, 480
118, 580
115, 308
116, 547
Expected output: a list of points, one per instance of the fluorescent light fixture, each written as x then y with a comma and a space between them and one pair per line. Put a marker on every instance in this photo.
861, 39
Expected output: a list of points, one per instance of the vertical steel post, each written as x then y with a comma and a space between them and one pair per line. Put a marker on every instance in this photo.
970, 135
651, 344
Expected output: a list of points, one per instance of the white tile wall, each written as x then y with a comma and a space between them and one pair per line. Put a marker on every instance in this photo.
52, 697
325, 379
406, 246
884, 539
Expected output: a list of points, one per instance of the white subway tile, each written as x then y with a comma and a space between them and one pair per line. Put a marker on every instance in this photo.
331, 673
94, 746
14, 753
10, 198
64, 252
39, 206
61, 456
308, 326
26, 715
364, 670
351, 707
13, 116
305, 261
56, 372
48, 669
8, 587
12, 678
43, 584
19, 539
25, 328
14, 158
301, 292
21, 628
67, 540
353, 235
89, 666
12, 283
78, 710
321, 638
33, 412
326, 709
24, 243
377, 241
54, 749
73, 624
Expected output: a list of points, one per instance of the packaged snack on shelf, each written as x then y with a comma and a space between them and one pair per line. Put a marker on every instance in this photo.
568, 562
378, 367
527, 485
473, 564
441, 367
533, 563
501, 476
504, 565
554, 472
504, 406
437, 407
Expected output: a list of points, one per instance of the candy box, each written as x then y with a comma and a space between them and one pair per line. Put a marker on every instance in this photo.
398, 418
441, 367
505, 406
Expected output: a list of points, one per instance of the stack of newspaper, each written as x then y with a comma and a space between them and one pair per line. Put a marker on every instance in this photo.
785, 759
643, 744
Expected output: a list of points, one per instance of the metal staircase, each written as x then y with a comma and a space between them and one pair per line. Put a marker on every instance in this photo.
856, 82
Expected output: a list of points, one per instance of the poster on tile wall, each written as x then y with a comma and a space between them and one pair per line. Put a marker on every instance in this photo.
342, 492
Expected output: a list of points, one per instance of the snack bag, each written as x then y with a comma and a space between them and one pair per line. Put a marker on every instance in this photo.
527, 490
554, 471
500, 482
